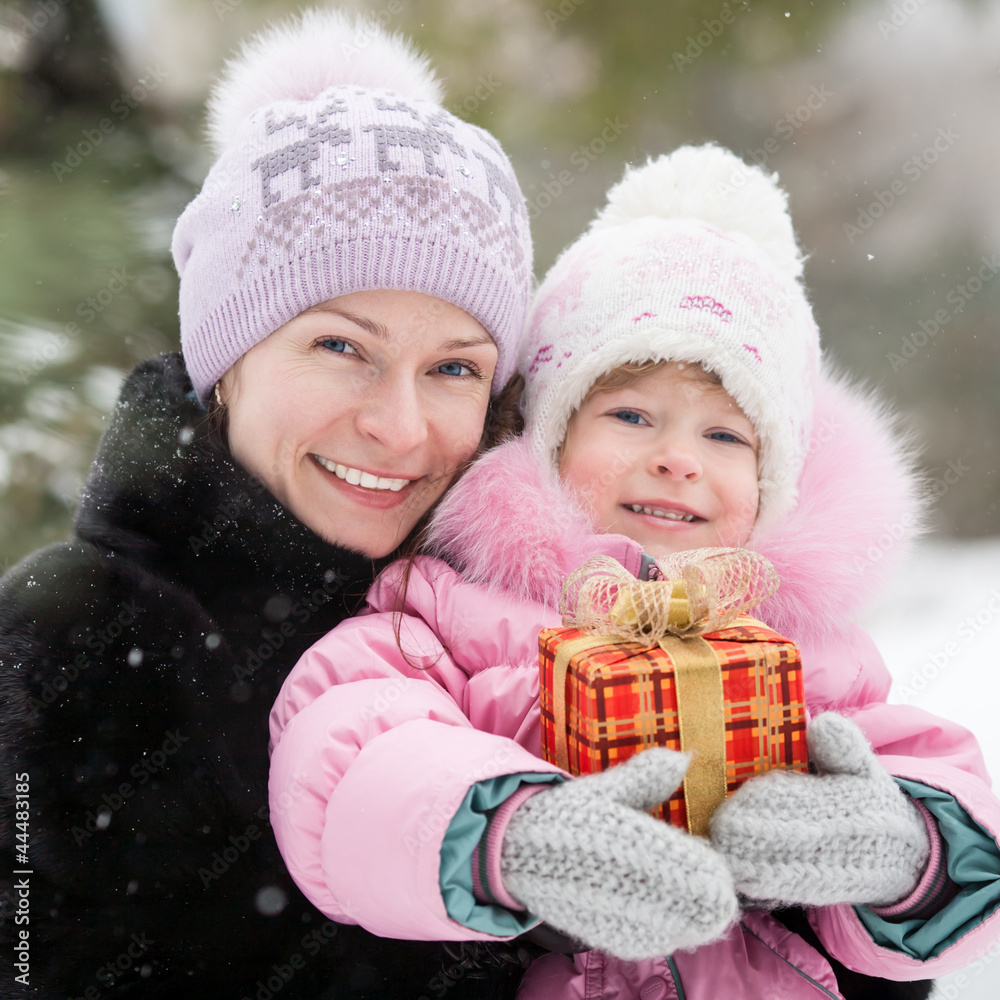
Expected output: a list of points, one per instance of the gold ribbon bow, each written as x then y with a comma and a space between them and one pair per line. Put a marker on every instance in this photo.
700, 591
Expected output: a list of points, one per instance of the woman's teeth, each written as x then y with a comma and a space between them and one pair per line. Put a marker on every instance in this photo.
669, 515
358, 478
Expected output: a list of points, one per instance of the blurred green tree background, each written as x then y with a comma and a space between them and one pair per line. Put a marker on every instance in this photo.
878, 115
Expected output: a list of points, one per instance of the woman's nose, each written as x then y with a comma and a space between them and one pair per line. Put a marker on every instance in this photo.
392, 413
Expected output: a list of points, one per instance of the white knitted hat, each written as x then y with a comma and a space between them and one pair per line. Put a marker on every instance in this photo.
693, 259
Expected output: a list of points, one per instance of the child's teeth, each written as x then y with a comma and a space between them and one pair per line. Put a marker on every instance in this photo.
668, 515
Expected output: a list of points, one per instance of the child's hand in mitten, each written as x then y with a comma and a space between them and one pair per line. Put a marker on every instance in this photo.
848, 834
584, 857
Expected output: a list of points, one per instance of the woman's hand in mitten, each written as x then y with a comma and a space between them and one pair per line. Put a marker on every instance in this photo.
585, 858
848, 834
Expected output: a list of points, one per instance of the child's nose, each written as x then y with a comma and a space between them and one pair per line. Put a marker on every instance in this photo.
677, 459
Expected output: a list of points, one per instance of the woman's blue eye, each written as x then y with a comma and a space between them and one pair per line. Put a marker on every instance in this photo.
628, 416
337, 345
725, 436
454, 368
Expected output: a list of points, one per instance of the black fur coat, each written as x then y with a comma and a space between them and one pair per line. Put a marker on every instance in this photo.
138, 664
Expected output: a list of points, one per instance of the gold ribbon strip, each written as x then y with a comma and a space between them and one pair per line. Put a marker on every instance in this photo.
701, 714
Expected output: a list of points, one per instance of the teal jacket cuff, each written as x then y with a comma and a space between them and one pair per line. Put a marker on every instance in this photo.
973, 865
466, 830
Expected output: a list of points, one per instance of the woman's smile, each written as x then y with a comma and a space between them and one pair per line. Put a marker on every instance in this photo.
363, 488
369, 480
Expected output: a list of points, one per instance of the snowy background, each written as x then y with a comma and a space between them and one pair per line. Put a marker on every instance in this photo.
938, 628
844, 100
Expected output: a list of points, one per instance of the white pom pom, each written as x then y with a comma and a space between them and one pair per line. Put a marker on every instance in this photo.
298, 58
715, 186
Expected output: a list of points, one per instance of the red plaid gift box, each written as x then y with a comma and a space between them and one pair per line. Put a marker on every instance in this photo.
742, 706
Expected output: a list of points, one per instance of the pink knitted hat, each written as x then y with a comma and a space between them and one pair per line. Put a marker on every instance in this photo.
338, 171
693, 259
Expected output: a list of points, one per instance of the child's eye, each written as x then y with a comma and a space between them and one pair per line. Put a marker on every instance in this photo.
629, 416
337, 345
459, 369
726, 436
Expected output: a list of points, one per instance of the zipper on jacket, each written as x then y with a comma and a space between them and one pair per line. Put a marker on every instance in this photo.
677, 978
791, 965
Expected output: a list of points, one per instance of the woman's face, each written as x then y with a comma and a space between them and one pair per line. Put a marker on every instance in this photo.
357, 413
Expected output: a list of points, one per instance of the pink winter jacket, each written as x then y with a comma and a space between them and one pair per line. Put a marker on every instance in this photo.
373, 753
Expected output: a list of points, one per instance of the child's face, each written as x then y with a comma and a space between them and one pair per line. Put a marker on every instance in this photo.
668, 461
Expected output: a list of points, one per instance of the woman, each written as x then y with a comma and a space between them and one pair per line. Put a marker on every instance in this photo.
354, 276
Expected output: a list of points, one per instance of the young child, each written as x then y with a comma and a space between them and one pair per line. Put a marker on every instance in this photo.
674, 399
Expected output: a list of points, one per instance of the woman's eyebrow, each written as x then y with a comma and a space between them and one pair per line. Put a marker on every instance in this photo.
378, 330
458, 345
372, 327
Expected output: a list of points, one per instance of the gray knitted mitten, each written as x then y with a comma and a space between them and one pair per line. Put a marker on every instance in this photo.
846, 835
584, 858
